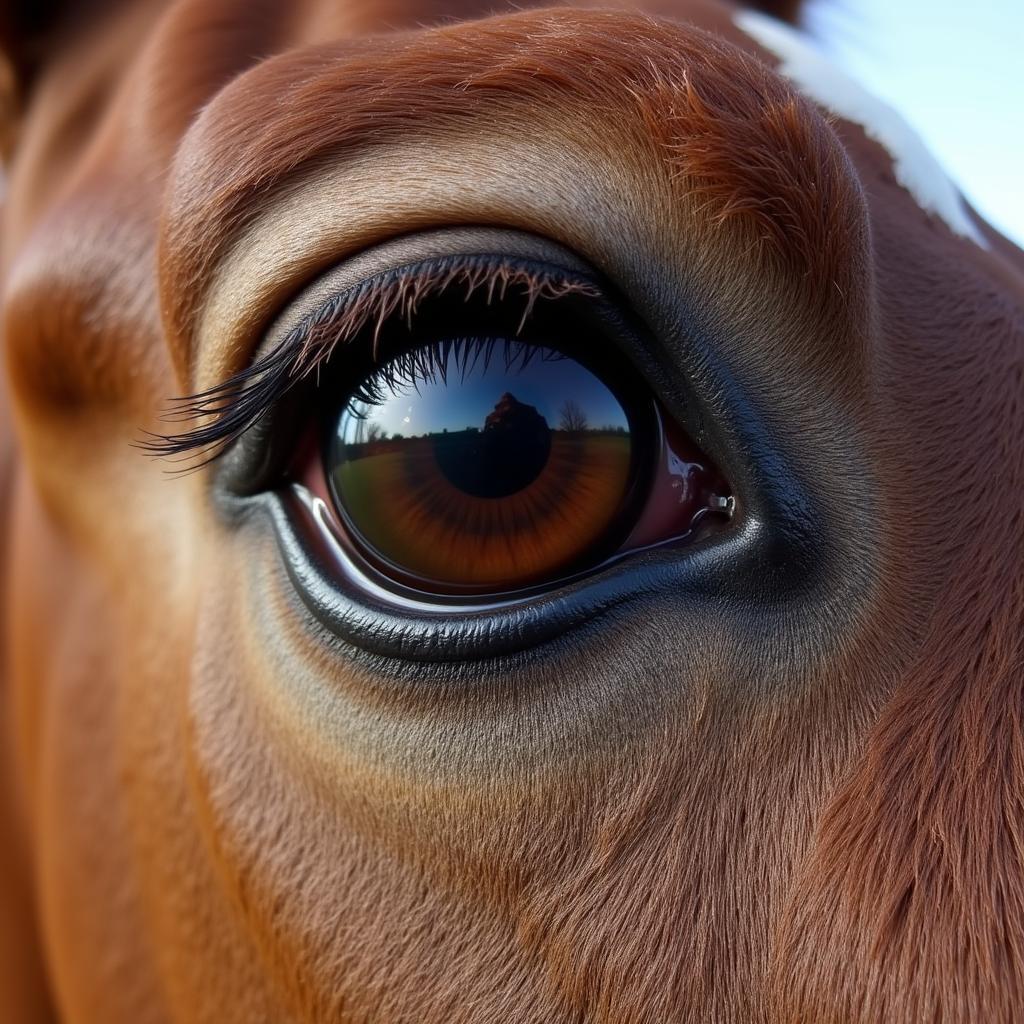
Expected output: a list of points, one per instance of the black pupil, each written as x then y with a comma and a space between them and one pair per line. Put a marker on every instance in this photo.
507, 454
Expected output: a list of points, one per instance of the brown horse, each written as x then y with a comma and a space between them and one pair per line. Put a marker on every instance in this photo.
459, 751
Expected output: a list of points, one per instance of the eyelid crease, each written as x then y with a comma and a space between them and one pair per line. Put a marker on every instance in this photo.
225, 411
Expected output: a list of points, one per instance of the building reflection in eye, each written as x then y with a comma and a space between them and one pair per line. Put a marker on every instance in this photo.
489, 431
507, 455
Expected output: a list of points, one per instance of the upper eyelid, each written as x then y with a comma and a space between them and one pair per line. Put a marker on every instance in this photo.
224, 412
400, 290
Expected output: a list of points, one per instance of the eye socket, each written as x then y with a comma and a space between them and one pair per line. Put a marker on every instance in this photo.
483, 432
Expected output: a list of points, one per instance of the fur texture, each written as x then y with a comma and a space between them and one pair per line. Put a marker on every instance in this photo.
786, 789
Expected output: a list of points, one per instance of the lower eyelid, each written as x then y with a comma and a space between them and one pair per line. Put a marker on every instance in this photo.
409, 631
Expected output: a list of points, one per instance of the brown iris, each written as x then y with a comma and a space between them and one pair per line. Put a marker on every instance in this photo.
482, 466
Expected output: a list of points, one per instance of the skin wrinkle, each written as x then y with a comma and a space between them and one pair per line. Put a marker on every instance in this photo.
783, 794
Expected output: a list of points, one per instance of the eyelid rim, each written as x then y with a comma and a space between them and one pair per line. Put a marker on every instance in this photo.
240, 467
490, 631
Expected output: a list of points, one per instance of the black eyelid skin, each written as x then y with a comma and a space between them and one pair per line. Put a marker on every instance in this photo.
432, 633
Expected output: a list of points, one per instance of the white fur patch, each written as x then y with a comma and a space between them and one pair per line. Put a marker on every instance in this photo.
915, 167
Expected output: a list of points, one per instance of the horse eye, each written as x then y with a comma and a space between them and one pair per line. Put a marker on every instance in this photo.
455, 425
485, 474
496, 462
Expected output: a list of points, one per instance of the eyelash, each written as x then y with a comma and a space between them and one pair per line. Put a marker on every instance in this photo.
245, 397
431, 363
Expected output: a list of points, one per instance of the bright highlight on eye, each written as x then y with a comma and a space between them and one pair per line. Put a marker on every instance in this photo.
486, 465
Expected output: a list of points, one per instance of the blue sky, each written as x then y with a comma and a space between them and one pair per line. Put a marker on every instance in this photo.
544, 385
956, 73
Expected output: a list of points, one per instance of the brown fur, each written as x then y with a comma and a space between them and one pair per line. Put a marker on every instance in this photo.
736, 142
808, 808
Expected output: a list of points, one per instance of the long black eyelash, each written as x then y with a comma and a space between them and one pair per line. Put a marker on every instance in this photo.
429, 364
221, 414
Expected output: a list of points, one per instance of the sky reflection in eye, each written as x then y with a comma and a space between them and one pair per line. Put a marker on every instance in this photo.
467, 399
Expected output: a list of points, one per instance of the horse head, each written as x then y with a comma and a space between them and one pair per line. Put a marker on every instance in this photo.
582, 578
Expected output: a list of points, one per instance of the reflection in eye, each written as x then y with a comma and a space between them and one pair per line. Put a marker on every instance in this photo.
490, 465
482, 472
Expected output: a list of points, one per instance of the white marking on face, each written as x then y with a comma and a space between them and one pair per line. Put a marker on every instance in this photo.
915, 167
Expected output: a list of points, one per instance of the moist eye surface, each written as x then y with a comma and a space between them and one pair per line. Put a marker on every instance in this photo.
486, 464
